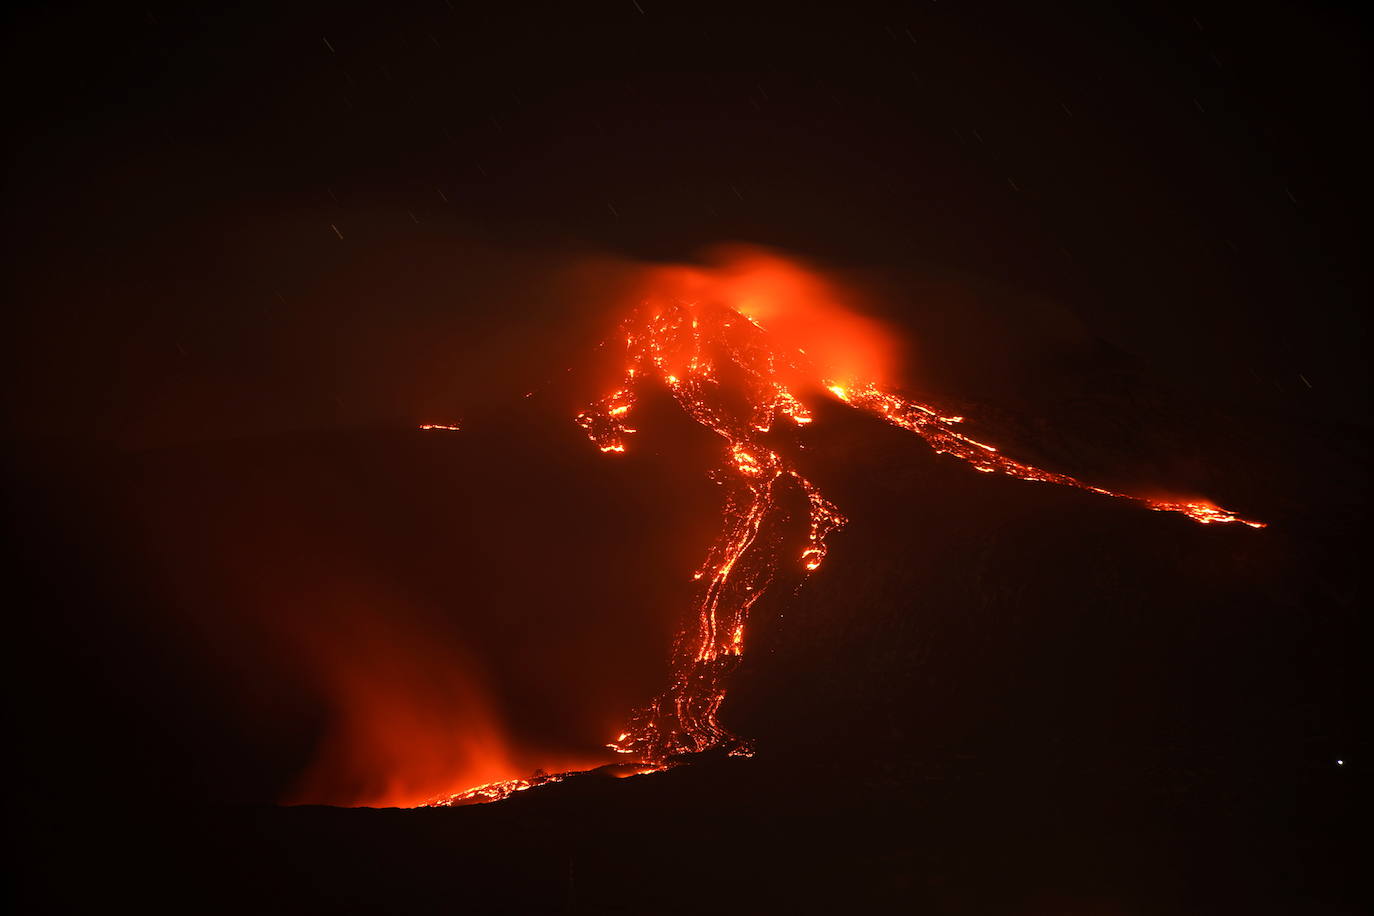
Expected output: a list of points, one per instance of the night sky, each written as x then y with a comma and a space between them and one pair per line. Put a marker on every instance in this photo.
251, 248
267, 217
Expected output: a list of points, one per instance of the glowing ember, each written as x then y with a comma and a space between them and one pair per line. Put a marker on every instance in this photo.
450, 427
686, 346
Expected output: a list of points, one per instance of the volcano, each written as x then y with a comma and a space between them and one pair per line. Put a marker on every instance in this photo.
426, 493
899, 659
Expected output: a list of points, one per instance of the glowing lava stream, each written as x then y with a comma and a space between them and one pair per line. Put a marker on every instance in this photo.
685, 346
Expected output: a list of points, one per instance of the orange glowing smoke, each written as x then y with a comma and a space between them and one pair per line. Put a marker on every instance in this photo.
396, 743
410, 716
805, 313
768, 329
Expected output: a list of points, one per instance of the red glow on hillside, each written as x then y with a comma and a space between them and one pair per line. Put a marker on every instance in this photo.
393, 742
410, 715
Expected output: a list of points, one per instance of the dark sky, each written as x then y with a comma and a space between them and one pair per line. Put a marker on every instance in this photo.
275, 216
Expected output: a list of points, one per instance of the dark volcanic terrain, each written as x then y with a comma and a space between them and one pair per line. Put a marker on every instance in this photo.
996, 696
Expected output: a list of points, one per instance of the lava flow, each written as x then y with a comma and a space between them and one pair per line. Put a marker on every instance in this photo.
685, 346
688, 347
938, 432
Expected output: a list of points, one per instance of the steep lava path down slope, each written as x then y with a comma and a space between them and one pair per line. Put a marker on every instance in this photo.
996, 694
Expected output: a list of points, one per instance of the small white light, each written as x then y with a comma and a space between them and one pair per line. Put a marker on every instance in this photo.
1340, 763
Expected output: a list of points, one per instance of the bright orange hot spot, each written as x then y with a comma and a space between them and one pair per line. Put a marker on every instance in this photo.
805, 313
